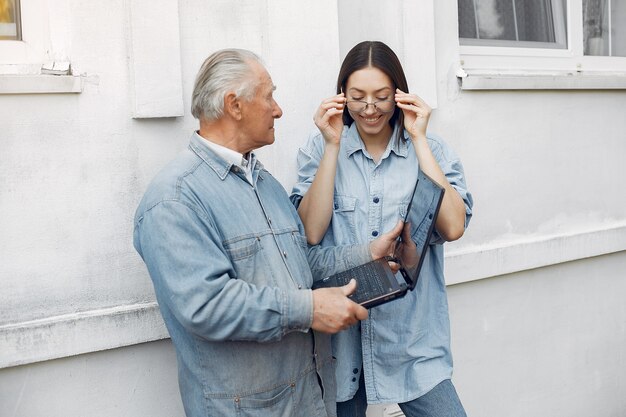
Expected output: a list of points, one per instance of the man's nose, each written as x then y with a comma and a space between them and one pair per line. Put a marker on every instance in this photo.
278, 112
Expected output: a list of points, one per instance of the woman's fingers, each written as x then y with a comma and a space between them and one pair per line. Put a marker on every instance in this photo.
410, 99
328, 118
419, 111
332, 104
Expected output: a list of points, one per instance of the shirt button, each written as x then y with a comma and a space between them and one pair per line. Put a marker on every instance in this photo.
376, 200
375, 233
284, 254
355, 371
353, 379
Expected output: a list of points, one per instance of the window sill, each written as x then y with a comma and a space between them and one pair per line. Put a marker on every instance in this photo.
40, 84
476, 80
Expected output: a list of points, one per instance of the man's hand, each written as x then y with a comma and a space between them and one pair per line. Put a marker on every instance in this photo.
333, 311
385, 244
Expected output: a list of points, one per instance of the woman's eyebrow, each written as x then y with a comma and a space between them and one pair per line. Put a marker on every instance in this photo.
376, 91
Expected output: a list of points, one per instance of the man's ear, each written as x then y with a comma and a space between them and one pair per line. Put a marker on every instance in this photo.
232, 105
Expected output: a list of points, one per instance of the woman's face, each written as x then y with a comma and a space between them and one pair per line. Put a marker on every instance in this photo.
371, 85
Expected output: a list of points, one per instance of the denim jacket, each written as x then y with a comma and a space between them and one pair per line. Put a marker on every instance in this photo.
404, 346
232, 275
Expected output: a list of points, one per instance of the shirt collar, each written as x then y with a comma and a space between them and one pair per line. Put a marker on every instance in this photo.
351, 140
222, 159
229, 155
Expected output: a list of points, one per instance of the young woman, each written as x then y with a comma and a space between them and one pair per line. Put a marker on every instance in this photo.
355, 175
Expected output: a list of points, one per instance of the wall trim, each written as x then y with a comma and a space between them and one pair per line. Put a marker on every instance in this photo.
109, 328
40, 84
563, 81
74, 334
479, 262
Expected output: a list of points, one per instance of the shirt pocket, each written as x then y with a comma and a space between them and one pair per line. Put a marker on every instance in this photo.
344, 219
249, 260
275, 402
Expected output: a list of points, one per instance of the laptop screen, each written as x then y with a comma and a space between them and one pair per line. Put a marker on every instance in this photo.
420, 217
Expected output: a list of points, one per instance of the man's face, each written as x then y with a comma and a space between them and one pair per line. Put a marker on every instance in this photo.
258, 114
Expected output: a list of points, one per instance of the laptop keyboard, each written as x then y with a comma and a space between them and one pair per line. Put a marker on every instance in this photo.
369, 285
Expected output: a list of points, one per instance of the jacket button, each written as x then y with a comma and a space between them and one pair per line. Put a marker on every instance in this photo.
375, 233
376, 200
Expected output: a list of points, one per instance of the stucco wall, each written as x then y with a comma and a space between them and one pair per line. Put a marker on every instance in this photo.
544, 167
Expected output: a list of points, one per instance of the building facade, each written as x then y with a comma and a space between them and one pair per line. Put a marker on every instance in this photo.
95, 98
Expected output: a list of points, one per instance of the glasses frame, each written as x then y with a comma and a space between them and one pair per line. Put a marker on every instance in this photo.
373, 103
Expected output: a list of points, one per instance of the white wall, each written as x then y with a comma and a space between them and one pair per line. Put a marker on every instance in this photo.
139, 380
544, 342
544, 167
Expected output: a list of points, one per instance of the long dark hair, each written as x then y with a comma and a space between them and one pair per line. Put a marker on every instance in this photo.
377, 55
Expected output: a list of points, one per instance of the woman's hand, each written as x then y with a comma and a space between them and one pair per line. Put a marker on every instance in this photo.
416, 113
328, 118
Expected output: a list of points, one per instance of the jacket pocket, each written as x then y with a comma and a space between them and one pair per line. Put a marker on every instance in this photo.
249, 261
276, 402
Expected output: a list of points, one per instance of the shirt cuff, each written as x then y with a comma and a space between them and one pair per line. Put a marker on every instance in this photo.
299, 310
359, 255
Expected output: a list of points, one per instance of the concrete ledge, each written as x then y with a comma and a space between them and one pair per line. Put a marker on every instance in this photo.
566, 81
40, 84
73, 334
474, 263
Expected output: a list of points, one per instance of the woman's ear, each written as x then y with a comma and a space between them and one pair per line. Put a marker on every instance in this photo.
232, 105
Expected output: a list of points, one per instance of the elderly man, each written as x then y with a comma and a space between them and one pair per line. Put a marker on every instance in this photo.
230, 265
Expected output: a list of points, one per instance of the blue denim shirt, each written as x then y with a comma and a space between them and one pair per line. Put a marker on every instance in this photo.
230, 268
404, 346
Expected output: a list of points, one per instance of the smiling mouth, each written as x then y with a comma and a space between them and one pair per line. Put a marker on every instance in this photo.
371, 119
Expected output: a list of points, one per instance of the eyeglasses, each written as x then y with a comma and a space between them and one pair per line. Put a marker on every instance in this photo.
382, 106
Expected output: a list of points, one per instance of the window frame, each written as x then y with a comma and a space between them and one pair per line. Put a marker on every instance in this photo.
29, 66
27, 55
520, 61
560, 33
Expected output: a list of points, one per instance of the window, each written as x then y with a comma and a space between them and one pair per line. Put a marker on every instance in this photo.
603, 34
538, 24
34, 48
10, 22
554, 39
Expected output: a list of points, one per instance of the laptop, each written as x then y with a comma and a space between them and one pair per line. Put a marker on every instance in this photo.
376, 282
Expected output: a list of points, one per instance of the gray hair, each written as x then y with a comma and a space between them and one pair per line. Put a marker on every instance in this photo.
223, 71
